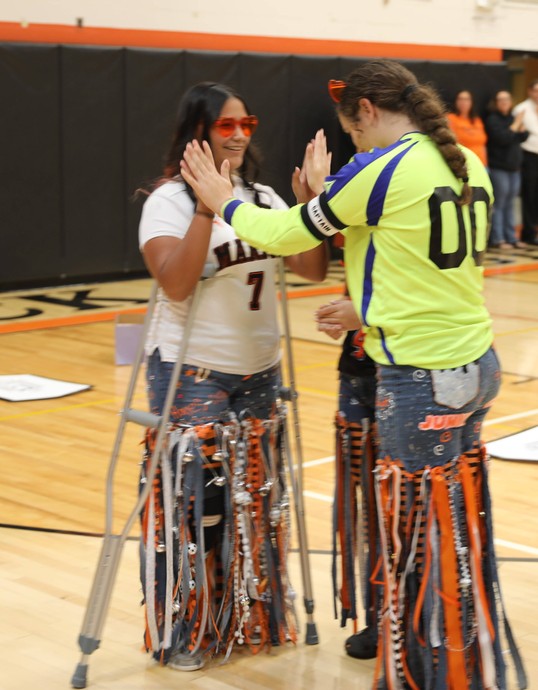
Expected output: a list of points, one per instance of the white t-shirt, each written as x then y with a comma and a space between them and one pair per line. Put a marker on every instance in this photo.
530, 122
235, 330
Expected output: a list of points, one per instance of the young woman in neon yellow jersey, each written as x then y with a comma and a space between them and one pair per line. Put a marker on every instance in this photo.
415, 211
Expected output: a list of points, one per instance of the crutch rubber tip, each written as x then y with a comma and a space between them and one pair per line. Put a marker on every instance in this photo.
311, 634
79, 677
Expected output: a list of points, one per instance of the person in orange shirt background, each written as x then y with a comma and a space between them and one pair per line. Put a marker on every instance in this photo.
468, 126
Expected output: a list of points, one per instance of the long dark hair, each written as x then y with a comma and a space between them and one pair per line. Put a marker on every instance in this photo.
391, 86
200, 106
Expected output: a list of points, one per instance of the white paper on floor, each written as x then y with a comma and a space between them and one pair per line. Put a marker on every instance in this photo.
521, 446
22, 387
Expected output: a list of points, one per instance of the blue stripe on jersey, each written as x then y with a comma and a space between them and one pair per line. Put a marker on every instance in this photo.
230, 210
367, 290
384, 346
355, 166
367, 287
374, 209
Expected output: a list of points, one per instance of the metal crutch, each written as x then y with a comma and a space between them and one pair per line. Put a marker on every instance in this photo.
290, 394
111, 550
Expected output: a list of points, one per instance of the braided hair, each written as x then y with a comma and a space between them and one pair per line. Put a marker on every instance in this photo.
392, 87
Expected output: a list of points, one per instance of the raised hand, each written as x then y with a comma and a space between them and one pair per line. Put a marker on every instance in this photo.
317, 162
198, 170
300, 187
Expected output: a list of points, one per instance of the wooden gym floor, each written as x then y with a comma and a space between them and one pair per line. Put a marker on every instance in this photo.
55, 453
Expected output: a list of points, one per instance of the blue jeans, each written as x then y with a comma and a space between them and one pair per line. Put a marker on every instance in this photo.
204, 396
506, 186
356, 397
427, 418
354, 478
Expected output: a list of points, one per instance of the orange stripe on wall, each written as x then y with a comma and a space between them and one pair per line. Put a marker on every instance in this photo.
60, 33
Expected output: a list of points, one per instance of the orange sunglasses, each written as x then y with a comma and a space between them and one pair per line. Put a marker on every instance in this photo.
336, 89
226, 126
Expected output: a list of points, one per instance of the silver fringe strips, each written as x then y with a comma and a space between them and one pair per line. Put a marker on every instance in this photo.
215, 540
442, 610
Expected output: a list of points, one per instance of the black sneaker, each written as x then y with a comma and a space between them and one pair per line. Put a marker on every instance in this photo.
363, 645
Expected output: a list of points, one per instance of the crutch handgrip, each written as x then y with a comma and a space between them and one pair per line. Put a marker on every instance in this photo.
147, 419
288, 394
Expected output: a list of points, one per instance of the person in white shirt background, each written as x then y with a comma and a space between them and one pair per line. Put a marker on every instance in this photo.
529, 169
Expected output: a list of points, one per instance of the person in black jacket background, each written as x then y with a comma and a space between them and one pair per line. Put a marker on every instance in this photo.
505, 134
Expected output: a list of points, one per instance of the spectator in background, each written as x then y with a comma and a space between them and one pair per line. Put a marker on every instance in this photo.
505, 134
467, 126
529, 167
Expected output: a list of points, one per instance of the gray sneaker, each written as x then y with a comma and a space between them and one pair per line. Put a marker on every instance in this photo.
183, 661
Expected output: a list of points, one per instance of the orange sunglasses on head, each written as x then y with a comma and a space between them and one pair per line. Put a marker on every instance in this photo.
336, 89
226, 126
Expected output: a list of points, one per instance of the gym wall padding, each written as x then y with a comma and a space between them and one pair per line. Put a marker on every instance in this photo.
84, 127
30, 180
92, 159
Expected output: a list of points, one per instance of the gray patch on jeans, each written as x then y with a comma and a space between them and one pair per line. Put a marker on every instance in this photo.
455, 388
419, 374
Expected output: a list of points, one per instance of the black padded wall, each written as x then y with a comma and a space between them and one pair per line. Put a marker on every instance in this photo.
30, 179
84, 127
264, 83
481, 79
92, 159
154, 81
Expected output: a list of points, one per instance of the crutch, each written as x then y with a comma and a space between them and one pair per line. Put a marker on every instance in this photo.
296, 476
111, 550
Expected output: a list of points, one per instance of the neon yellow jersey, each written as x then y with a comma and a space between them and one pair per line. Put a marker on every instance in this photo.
413, 256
